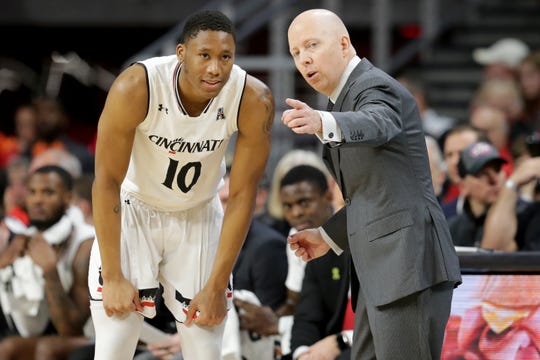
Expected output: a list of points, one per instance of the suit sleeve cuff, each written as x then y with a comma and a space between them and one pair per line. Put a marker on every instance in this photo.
330, 242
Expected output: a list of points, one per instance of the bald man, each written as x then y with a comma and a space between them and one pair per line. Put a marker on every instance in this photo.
405, 264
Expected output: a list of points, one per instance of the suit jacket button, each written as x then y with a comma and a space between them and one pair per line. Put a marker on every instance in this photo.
331, 135
347, 201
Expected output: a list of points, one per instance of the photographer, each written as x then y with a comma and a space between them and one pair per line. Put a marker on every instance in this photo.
509, 227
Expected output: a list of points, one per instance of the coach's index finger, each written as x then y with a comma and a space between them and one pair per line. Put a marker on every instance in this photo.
296, 104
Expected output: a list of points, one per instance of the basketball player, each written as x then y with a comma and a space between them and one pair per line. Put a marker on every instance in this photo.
160, 150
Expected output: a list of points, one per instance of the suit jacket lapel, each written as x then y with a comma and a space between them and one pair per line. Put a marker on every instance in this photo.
363, 66
333, 154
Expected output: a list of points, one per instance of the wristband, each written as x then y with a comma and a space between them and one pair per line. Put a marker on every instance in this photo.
511, 185
342, 341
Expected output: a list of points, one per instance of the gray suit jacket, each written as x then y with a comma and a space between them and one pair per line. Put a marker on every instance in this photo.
392, 222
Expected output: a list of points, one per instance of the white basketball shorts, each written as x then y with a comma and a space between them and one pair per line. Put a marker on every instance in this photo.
176, 249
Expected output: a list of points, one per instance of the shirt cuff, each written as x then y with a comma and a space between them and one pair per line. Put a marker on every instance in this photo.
349, 335
299, 351
330, 129
330, 242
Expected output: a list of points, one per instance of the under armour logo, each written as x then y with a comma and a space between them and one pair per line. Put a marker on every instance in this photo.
161, 108
220, 114
127, 201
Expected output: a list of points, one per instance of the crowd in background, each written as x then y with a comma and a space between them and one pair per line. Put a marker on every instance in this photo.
485, 172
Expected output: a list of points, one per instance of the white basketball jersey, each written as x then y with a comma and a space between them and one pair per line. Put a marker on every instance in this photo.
177, 161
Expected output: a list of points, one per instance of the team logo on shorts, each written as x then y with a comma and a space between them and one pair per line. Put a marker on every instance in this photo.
100, 281
183, 301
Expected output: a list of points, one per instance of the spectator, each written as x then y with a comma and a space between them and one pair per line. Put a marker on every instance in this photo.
82, 196
480, 167
60, 157
502, 58
25, 118
322, 319
52, 123
288, 161
509, 225
261, 201
436, 165
15, 192
492, 122
51, 275
259, 279
505, 96
264, 276
529, 80
307, 202
434, 124
456, 140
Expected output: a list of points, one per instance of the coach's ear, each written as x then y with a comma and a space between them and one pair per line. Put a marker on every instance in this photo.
180, 52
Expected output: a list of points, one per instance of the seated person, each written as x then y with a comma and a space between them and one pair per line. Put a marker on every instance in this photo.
510, 224
261, 266
307, 202
323, 318
480, 167
44, 268
258, 277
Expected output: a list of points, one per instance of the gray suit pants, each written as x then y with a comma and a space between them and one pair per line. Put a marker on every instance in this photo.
409, 328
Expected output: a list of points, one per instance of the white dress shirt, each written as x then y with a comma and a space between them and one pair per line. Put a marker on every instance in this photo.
330, 129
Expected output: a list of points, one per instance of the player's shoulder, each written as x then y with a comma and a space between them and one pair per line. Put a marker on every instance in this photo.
133, 77
256, 85
257, 92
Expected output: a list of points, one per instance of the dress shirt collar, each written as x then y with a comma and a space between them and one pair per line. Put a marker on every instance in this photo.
344, 77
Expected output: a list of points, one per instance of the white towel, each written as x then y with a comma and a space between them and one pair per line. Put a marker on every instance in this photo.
254, 346
24, 278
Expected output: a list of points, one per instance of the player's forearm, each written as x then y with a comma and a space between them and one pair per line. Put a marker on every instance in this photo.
65, 315
106, 212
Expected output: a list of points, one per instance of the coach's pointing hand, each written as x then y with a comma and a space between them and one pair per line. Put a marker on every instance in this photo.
301, 118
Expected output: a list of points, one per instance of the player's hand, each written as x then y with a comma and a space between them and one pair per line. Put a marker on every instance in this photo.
208, 308
120, 297
260, 319
308, 244
301, 118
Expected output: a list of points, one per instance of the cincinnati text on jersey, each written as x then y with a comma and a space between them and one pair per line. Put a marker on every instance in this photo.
180, 145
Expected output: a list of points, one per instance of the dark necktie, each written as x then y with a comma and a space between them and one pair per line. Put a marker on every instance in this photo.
330, 105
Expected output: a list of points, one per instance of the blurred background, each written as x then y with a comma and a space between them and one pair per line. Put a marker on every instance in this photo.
72, 50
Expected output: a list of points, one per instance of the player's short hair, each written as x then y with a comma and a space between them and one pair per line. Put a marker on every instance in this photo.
308, 174
65, 177
212, 20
